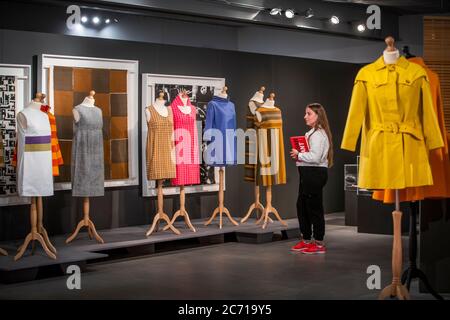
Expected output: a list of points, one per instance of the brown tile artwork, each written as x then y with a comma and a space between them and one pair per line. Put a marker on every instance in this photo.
71, 86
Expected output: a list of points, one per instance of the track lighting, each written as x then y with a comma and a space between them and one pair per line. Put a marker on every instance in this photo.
289, 13
361, 27
334, 20
275, 11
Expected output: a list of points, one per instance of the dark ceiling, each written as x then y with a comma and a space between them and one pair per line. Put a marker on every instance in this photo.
403, 6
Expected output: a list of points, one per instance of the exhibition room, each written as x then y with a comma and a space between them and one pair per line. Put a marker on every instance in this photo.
225, 150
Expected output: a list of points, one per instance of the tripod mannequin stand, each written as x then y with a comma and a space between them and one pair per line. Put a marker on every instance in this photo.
413, 272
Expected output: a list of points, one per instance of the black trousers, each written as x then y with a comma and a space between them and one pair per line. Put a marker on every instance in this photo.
310, 211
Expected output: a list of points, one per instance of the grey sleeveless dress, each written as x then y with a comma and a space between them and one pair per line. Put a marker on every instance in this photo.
87, 153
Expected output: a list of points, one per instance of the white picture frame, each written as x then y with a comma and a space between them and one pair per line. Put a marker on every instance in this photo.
47, 62
149, 82
22, 74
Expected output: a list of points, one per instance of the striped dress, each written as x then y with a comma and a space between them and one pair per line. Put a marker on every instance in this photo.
160, 147
271, 168
34, 155
251, 154
186, 145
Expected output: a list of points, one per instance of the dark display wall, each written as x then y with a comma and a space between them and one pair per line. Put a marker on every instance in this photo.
295, 81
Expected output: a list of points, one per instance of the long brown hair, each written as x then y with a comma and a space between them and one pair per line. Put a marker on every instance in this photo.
322, 121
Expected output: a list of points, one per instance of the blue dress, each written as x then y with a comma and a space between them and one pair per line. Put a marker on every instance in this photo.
220, 133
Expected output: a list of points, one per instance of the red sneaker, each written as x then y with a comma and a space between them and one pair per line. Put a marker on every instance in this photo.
314, 249
302, 245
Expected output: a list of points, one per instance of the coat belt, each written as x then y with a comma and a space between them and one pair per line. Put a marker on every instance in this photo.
400, 127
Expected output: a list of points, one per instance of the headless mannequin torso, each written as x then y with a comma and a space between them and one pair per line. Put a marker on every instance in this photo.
88, 102
34, 104
160, 107
184, 108
269, 103
390, 54
257, 100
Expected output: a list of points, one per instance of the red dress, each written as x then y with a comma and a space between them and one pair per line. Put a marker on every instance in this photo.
186, 145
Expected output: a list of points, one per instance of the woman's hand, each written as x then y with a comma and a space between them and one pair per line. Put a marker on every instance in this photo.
294, 154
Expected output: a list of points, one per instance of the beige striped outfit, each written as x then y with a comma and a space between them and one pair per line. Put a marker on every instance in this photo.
271, 168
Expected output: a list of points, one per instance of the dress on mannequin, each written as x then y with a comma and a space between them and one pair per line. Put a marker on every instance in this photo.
88, 173
251, 149
271, 170
186, 143
34, 157
403, 136
221, 116
160, 146
438, 158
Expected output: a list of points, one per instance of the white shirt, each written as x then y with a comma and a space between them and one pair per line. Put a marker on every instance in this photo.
318, 149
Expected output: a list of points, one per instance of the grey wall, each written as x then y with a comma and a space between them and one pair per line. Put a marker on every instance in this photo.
295, 81
202, 34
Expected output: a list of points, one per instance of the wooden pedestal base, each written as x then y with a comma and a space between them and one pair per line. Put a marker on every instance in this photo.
220, 210
35, 235
86, 222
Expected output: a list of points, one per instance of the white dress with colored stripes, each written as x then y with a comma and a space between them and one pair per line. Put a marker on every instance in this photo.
34, 155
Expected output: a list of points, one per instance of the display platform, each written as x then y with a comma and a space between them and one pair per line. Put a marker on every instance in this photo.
131, 241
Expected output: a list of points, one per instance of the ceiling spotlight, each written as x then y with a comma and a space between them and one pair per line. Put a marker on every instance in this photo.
107, 21
289, 13
116, 20
96, 20
361, 27
309, 13
275, 11
84, 19
334, 20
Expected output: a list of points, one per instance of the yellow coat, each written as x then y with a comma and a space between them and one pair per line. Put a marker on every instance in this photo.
394, 107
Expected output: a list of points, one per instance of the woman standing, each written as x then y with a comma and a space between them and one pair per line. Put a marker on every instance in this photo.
313, 170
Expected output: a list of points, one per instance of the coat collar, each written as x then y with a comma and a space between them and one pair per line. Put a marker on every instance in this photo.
401, 62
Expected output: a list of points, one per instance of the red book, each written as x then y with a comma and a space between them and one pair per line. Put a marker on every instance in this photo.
300, 143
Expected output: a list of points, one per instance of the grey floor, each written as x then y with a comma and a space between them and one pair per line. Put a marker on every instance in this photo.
234, 271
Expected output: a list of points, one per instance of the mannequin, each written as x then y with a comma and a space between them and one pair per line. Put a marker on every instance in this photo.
36, 210
89, 101
390, 54
160, 107
255, 102
186, 108
269, 103
395, 289
184, 97
221, 208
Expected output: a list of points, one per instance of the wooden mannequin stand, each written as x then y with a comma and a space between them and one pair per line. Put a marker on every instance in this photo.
269, 209
34, 234
86, 222
182, 212
396, 289
257, 205
40, 226
221, 208
161, 215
